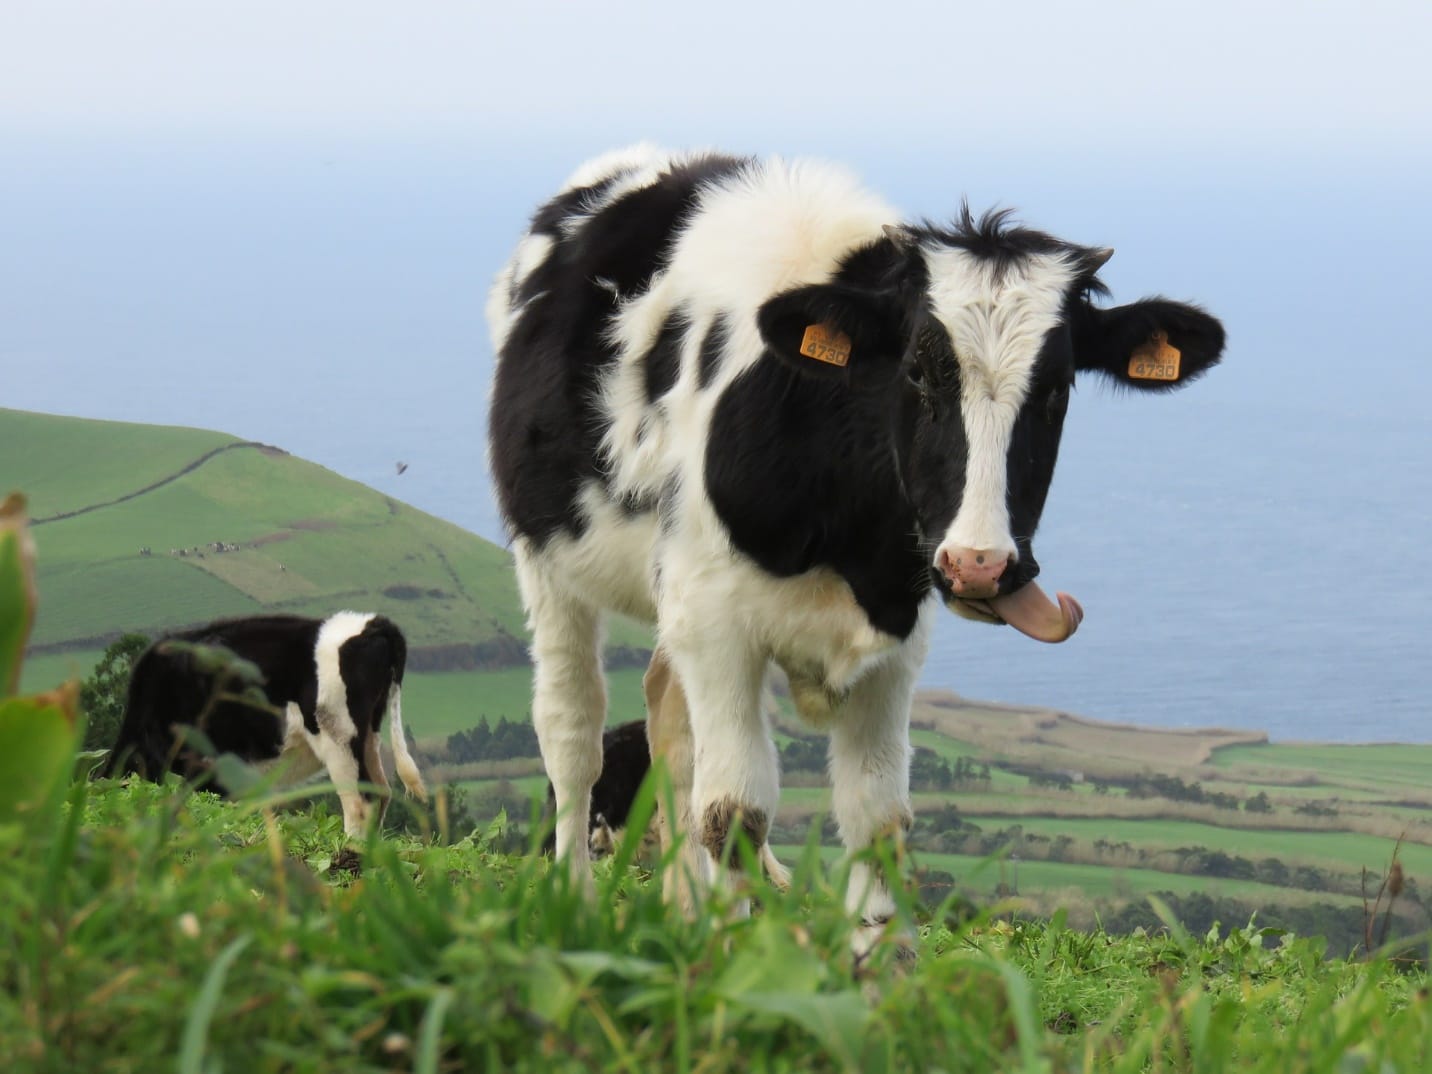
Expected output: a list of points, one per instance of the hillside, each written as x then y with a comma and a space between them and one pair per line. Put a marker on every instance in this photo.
149, 528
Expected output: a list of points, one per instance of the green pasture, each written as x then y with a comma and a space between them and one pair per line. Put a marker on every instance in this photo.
63, 464
142, 594
1347, 851
437, 704
50, 670
1384, 767
310, 541
1083, 882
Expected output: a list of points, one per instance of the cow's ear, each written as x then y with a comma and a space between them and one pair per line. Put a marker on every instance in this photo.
834, 331
1153, 345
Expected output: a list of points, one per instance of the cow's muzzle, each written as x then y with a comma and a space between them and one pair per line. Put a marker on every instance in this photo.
973, 573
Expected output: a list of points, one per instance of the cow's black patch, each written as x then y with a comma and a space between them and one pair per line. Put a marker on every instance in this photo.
543, 436
662, 363
713, 345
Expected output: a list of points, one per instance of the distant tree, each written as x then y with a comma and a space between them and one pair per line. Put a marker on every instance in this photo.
1258, 804
103, 693
930, 771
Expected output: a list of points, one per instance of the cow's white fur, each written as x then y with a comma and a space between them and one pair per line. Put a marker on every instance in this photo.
997, 326
722, 620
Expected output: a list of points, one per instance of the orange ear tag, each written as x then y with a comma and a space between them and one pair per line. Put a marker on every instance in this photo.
826, 344
1155, 360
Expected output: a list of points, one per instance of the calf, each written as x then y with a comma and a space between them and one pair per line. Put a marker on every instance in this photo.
626, 759
741, 399
328, 683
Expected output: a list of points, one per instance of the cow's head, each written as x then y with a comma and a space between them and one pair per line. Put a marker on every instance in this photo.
967, 340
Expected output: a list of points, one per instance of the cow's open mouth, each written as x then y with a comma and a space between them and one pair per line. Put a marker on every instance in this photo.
1028, 609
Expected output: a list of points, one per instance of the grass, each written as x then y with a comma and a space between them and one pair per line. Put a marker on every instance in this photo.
149, 929
1389, 768
309, 540
1081, 882
439, 704
1346, 851
67, 463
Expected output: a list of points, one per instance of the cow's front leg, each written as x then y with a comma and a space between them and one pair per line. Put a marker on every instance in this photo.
870, 781
568, 704
336, 745
735, 776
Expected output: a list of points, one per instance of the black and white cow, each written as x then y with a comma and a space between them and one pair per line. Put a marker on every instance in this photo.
740, 399
331, 679
626, 760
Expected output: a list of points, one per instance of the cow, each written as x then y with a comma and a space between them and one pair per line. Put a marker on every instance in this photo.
626, 760
743, 400
328, 683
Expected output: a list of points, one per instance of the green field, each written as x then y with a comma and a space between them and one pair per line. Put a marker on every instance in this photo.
65, 464
1087, 881
437, 704
1389, 768
1346, 851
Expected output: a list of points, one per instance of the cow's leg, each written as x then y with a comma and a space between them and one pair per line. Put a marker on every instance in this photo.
569, 702
735, 774
870, 779
337, 746
668, 731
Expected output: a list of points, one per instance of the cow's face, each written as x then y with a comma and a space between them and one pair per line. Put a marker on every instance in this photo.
976, 338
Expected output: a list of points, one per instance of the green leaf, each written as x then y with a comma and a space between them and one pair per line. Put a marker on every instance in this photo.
17, 590
836, 1019
37, 750
196, 1027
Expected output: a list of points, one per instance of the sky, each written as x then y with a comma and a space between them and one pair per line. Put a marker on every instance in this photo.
280, 220
1255, 77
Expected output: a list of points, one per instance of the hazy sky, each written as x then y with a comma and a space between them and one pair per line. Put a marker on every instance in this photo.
1209, 74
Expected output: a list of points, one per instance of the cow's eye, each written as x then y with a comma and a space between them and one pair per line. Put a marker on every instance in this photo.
1057, 402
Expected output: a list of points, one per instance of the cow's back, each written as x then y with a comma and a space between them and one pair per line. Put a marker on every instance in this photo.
595, 245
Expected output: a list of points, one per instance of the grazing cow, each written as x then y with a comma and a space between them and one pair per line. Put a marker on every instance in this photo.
329, 682
626, 759
740, 399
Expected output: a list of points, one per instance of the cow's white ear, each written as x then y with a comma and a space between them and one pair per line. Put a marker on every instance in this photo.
1153, 345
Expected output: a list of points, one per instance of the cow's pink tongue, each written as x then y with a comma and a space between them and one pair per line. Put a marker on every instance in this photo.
1030, 612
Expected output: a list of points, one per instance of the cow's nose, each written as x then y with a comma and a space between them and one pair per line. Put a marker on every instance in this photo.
973, 572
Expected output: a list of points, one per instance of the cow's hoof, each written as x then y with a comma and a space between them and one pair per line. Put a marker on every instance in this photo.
347, 860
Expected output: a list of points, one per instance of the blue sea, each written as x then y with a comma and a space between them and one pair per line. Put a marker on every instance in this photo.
1251, 553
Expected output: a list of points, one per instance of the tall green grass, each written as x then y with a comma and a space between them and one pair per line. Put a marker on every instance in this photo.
148, 929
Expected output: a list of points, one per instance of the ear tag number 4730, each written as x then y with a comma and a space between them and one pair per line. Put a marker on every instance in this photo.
826, 344
1157, 359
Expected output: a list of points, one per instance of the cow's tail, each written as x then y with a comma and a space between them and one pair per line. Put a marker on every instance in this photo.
402, 759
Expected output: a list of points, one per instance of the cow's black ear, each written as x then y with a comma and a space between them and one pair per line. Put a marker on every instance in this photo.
1153, 345
834, 331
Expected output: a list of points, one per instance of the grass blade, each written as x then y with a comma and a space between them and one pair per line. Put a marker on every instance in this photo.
196, 1027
